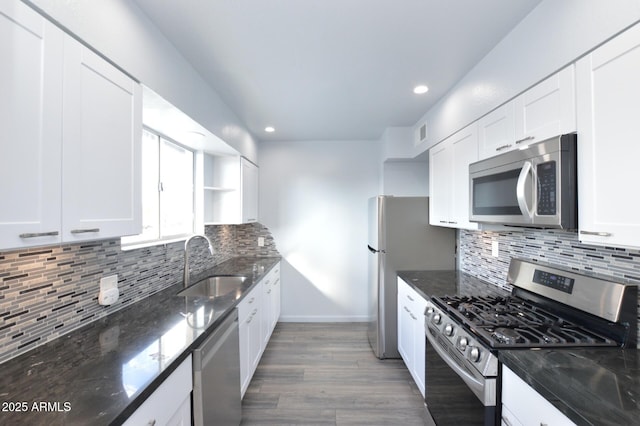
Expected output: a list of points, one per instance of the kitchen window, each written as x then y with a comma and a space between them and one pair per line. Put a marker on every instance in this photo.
167, 192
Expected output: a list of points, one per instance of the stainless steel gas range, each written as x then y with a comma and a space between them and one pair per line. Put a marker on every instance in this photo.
548, 308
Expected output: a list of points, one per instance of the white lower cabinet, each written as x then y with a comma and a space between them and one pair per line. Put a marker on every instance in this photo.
258, 314
411, 336
523, 406
249, 313
170, 404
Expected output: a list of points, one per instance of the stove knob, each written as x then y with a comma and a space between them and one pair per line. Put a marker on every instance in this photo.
429, 311
437, 319
448, 330
462, 343
474, 353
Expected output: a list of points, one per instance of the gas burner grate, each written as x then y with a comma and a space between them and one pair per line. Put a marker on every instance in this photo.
504, 322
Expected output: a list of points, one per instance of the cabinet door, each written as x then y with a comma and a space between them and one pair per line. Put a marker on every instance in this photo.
275, 298
419, 343
608, 89
404, 326
497, 131
102, 113
546, 110
249, 191
31, 127
267, 294
465, 151
440, 184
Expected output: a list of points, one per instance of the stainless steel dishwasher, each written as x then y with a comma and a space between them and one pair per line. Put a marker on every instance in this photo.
216, 376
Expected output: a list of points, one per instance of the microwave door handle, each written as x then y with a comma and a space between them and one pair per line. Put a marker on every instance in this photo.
521, 190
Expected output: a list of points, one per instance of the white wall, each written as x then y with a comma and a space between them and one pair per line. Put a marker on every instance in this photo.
313, 198
552, 36
120, 31
404, 178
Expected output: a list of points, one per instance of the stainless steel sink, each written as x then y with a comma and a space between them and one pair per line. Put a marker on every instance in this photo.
216, 286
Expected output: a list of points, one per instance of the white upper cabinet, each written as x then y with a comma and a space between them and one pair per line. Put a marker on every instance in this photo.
449, 179
548, 109
31, 128
71, 132
102, 118
230, 190
608, 90
497, 131
249, 191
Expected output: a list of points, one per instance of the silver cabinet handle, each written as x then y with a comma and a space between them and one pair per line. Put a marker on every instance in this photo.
500, 148
39, 234
84, 231
254, 311
413, 316
452, 222
443, 221
409, 297
407, 309
152, 423
269, 292
506, 421
252, 299
528, 138
599, 234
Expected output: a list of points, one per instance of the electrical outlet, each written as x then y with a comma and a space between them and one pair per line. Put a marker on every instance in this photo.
260, 241
495, 249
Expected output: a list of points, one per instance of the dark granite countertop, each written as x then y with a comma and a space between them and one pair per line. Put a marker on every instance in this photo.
100, 373
451, 283
591, 386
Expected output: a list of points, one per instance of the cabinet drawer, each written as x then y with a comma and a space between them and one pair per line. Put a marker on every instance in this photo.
167, 400
526, 405
250, 303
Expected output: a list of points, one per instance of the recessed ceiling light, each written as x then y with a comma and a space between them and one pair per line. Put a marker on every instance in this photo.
419, 90
269, 129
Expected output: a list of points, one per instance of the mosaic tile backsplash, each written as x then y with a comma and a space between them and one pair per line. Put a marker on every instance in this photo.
555, 247
46, 292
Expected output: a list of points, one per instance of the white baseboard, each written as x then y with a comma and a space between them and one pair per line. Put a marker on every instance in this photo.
323, 318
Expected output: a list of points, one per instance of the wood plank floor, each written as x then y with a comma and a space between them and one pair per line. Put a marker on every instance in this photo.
326, 374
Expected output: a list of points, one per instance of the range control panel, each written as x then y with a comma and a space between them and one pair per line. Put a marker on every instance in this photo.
555, 281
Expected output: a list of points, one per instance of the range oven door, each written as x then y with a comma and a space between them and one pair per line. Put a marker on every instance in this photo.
455, 393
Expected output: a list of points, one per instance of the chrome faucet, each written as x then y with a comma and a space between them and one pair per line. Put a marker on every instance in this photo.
185, 278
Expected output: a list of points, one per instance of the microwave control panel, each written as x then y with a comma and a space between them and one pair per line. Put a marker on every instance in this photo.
546, 188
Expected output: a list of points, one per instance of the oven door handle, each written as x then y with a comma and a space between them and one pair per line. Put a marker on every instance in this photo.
476, 386
521, 190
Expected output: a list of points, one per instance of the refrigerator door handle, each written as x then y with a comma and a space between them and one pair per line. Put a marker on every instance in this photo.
374, 251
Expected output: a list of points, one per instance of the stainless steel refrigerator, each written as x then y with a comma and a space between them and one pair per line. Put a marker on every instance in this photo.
400, 238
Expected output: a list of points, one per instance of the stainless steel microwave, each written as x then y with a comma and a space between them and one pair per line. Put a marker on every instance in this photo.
535, 186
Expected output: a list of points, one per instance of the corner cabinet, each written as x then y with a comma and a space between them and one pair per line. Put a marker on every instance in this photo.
71, 134
411, 332
608, 89
230, 190
523, 406
449, 179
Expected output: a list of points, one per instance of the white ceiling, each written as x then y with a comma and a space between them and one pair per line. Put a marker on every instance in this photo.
333, 69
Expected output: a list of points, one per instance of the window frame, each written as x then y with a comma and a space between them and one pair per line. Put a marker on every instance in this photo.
126, 242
